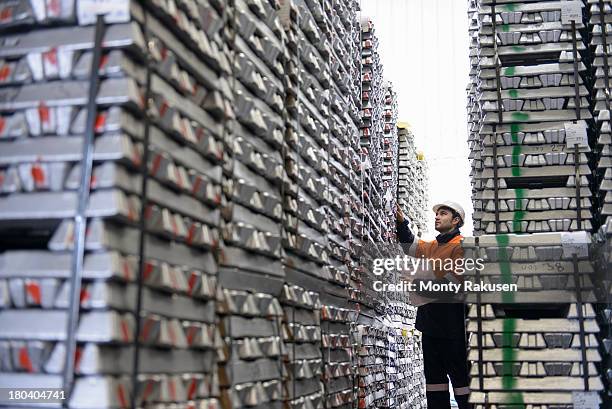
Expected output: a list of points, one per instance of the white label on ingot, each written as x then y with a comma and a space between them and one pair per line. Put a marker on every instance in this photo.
571, 11
585, 400
575, 243
114, 11
576, 134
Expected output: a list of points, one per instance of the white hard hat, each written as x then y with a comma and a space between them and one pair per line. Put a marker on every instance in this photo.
451, 205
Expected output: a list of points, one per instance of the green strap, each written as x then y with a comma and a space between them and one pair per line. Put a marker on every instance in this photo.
517, 148
509, 325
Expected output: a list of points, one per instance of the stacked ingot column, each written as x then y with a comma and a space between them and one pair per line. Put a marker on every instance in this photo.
340, 371
537, 345
423, 211
373, 95
251, 274
412, 180
601, 42
390, 152
474, 112
406, 376
603, 256
45, 82
523, 171
526, 346
306, 197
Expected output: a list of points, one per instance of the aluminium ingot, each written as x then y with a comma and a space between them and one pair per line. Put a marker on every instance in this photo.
199, 335
172, 389
268, 305
26, 293
106, 326
13, 126
271, 347
30, 356
273, 389
248, 349
5, 299
237, 302
148, 388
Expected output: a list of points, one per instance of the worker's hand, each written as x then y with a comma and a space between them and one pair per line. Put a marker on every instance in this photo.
399, 214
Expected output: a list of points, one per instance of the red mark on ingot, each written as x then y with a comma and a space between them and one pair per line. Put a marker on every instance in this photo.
38, 174
6, 14
148, 390
33, 290
127, 274
100, 122
172, 389
54, 7
192, 281
103, 62
192, 389
125, 332
43, 112
24, 360
148, 269
51, 56
5, 71
84, 296
121, 395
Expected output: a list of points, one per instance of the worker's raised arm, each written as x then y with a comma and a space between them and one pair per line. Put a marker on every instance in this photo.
404, 235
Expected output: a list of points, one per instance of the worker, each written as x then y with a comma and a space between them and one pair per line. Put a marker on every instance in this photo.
442, 324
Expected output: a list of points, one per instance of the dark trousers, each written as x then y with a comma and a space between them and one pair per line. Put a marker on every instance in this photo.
446, 358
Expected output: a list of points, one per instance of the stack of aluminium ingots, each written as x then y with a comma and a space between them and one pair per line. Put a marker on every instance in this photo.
306, 226
339, 314
537, 343
406, 380
251, 274
223, 242
601, 46
390, 165
421, 182
373, 95
412, 179
474, 112
603, 257
531, 128
156, 119
530, 92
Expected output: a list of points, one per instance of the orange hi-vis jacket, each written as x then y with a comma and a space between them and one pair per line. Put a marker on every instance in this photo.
433, 250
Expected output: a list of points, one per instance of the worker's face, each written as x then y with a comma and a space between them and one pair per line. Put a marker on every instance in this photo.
444, 220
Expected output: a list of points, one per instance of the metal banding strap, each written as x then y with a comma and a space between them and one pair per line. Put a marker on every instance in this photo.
80, 221
142, 227
436, 387
465, 390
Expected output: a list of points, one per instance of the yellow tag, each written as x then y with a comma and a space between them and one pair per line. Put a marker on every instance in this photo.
404, 333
